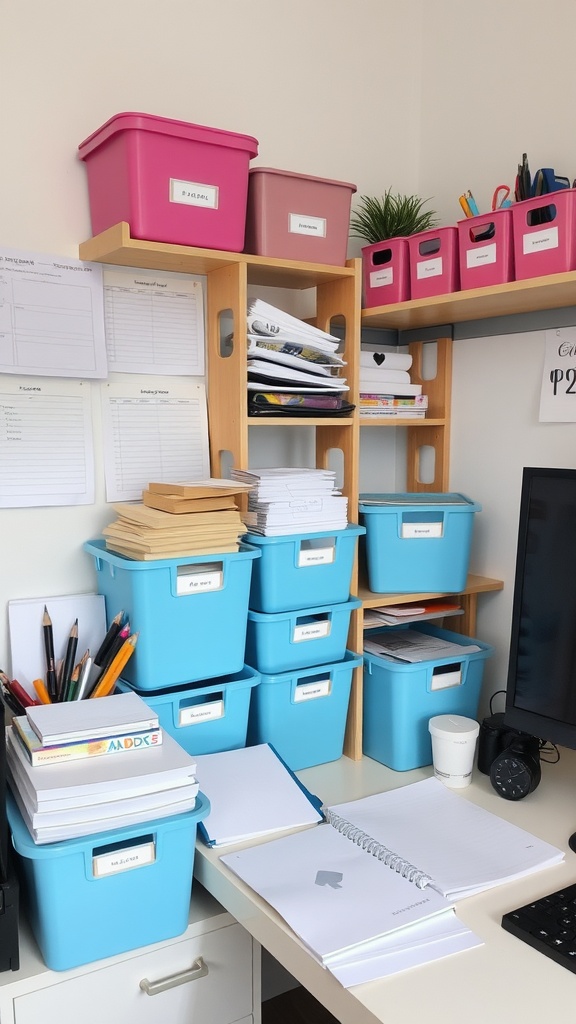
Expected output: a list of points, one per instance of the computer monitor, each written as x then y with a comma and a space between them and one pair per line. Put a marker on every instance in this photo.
541, 683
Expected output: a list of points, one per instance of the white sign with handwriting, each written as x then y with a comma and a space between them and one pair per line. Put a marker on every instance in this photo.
558, 394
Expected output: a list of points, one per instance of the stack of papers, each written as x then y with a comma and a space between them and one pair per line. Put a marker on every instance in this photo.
411, 646
287, 500
97, 794
287, 355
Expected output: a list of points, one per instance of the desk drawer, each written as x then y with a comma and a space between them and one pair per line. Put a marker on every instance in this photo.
114, 992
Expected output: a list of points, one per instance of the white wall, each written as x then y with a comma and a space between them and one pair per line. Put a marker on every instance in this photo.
435, 98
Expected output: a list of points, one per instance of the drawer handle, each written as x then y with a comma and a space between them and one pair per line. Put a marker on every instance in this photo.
199, 969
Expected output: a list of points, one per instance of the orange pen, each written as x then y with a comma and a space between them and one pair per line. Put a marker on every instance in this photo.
42, 692
108, 680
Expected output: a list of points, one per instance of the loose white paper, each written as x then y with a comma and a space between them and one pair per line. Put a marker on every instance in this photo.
154, 322
51, 315
558, 392
46, 443
153, 433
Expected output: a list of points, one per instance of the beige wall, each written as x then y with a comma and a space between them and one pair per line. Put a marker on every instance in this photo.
430, 97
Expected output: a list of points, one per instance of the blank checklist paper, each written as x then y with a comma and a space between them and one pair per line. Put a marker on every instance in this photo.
46, 443
154, 322
153, 433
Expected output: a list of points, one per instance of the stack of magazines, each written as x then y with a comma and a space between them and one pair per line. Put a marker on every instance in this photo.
293, 368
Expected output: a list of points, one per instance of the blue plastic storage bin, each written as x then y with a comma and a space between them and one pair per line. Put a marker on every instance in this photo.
189, 613
205, 719
417, 543
303, 713
401, 698
298, 639
103, 894
302, 569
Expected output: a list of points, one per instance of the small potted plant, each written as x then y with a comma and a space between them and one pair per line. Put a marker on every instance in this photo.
379, 221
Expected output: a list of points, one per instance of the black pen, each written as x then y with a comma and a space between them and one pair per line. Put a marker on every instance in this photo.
114, 629
49, 649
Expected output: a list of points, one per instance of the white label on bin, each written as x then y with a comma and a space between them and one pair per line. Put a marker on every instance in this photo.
445, 679
198, 582
311, 631
315, 556
421, 530
378, 278
137, 856
480, 257
192, 193
539, 240
299, 224
310, 691
429, 268
198, 713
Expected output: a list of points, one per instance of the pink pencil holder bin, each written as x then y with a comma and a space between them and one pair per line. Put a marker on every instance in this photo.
171, 181
544, 234
386, 272
486, 250
434, 267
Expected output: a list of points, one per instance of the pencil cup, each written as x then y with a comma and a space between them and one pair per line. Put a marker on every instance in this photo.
453, 747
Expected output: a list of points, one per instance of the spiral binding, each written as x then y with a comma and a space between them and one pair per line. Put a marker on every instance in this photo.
377, 849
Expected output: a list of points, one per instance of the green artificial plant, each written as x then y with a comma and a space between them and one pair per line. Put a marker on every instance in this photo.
390, 216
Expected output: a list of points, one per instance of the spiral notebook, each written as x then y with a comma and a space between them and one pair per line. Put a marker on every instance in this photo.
369, 891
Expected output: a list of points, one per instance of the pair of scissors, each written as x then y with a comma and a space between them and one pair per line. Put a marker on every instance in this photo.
500, 200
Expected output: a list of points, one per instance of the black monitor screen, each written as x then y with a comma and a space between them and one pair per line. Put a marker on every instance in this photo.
541, 685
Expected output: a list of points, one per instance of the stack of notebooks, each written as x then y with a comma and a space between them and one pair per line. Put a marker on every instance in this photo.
93, 766
293, 368
178, 519
386, 388
285, 501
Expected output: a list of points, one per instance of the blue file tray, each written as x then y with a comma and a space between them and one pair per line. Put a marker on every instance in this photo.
399, 698
304, 569
302, 714
84, 902
417, 543
209, 718
298, 639
189, 613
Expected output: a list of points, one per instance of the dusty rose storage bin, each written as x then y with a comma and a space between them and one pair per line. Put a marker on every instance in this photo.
486, 250
294, 216
434, 268
386, 272
170, 180
544, 234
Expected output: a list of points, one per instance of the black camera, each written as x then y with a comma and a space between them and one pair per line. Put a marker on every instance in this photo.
495, 737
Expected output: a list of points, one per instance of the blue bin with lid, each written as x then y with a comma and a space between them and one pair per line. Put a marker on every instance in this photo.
417, 543
190, 613
205, 717
303, 569
399, 698
102, 894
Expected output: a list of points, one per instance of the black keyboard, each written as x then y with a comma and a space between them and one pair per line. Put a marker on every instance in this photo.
549, 925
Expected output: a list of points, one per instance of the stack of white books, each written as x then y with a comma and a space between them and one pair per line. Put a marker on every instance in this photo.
68, 799
385, 386
288, 500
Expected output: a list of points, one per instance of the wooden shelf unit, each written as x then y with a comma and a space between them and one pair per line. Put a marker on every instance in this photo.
338, 300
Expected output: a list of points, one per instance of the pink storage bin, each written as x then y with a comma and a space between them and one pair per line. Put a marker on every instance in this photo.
386, 272
486, 250
434, 267
297, 217
544, 234
170, 180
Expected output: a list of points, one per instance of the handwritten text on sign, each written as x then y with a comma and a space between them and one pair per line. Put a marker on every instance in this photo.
558, 394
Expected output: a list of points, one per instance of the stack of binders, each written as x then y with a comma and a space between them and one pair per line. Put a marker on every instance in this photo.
298, 618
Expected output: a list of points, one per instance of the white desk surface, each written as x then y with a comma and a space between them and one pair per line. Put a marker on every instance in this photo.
504, 977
